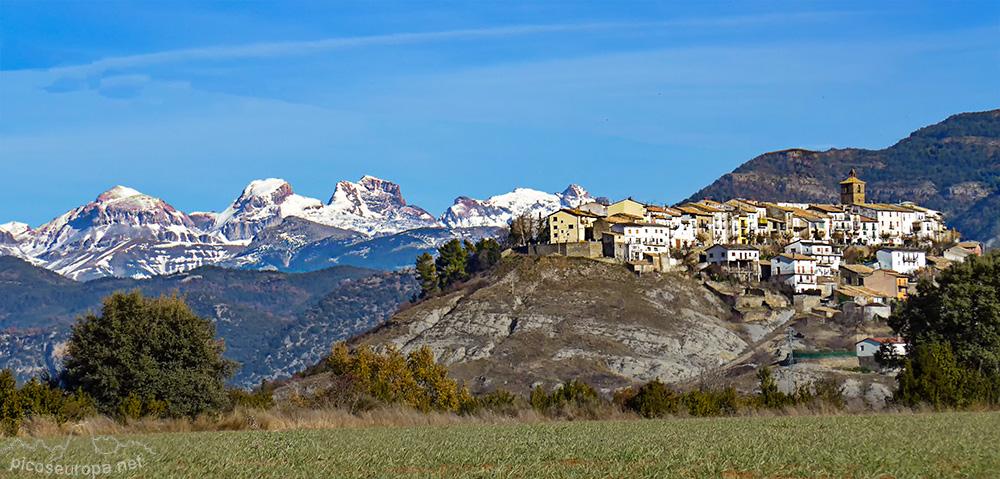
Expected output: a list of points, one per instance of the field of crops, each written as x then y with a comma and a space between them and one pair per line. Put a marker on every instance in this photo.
926, 445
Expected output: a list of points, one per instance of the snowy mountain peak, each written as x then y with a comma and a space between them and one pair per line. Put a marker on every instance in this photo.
374, 198
499, 210
262, 203
367, 192
575, 195
15, 228
117, 193
266, 188
113, 236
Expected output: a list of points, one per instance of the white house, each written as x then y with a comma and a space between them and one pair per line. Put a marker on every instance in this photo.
903, 260
736, 259
893, 222
594, 208
641, 238
683, 228
797, 270
719, 232
827, 256
869, 346
957, 253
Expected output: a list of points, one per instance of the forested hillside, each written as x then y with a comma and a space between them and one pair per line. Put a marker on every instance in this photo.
272, 322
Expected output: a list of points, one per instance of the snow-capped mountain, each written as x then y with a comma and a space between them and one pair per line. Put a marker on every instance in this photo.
16, 231
371, 206
499, 210
126, 233
121, 233
263, 203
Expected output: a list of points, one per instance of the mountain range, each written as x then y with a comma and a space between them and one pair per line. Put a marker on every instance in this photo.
125, 233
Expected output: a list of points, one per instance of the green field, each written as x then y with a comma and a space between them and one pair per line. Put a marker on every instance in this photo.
926, 445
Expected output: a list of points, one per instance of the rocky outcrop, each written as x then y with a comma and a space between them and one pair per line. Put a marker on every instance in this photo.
551, 319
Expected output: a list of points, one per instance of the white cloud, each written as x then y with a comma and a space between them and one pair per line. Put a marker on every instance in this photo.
292, 48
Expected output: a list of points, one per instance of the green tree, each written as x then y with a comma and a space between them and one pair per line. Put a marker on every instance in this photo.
155, 349
770, 396
961, 311
487, 254
427, 275
450, 263
11, 410
952, 331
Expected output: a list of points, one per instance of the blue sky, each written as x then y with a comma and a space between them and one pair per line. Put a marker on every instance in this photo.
191, 101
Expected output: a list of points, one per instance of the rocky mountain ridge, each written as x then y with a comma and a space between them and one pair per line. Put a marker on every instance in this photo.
125, 233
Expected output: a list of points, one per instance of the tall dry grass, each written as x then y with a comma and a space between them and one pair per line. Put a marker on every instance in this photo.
278, 419
290, 418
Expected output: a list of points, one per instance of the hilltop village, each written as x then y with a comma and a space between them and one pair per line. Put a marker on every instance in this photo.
853, 256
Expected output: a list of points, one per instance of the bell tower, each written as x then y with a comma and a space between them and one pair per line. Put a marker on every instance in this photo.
852, 190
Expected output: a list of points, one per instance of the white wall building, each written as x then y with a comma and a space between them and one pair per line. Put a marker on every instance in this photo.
903, 260
869, 346
641, 238
797, 270
736, 259
827, 256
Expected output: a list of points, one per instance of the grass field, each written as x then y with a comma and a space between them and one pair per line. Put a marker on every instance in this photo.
907, 445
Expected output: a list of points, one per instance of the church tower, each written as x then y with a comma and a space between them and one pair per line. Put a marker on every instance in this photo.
852, 190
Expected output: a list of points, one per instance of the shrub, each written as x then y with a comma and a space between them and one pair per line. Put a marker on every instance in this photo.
498, 402
572, 399
133, 408
653, 399
415, 380
261, 399
36, 399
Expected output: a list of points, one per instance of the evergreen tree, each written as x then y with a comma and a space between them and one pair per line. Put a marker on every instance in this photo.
487, 254
451, 261
427, 275
11, 409
155, 349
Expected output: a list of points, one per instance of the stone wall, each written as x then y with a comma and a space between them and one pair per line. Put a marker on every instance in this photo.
586, 249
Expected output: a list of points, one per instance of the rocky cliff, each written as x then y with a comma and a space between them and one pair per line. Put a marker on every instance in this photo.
551, 319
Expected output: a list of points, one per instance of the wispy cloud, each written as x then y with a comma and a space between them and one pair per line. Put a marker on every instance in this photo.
298, 48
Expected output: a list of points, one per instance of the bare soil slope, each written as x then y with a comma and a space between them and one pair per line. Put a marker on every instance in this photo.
546, 320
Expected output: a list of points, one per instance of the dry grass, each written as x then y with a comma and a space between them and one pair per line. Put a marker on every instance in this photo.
280, 419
